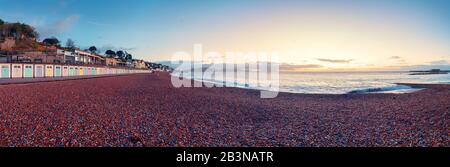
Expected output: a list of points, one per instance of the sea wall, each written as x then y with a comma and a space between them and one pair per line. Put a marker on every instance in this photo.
28, 70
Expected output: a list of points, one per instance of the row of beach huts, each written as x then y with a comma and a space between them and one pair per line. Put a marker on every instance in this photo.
28, 70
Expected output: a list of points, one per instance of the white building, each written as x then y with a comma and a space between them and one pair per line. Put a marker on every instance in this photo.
69, 56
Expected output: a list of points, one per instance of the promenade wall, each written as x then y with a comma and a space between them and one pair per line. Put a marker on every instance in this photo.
30, 70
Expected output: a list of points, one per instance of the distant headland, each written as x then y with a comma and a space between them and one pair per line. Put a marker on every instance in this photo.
430, 72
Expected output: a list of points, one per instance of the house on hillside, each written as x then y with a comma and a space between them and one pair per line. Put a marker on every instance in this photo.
81, 57
96, 59
109, 61
49, 55
13, 50
69, 56
121, 63
85, 57
139, 64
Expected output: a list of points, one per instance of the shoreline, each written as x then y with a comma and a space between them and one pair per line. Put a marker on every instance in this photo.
414, 87
388, 88
145, 110
13, 81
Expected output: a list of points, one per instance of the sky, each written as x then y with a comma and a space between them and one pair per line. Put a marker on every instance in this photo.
319, 34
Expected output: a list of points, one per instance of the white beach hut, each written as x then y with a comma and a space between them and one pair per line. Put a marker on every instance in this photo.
16, 71
39, 70
65, 71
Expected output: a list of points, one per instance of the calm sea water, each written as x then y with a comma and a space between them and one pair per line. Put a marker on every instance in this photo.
346, 82
361, 82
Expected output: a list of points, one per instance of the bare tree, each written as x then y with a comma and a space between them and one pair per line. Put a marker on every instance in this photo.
70, 44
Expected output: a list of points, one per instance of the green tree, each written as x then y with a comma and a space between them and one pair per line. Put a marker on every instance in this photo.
17, 30
51, 41
28, 31
120, 54
93, 49
110, 53
129, 57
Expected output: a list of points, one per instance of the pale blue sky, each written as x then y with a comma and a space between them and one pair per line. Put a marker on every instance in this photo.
155, 29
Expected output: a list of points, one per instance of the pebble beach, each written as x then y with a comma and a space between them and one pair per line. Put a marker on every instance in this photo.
145, 110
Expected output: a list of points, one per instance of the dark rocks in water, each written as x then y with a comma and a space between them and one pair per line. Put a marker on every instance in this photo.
430, 72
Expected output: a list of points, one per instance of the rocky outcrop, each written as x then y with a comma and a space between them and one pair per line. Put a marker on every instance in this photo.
7, 44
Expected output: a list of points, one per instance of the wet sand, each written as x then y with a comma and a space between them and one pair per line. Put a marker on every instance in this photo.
145, 110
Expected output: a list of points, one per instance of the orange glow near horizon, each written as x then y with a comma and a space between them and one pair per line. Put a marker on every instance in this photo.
334, 42
364, 46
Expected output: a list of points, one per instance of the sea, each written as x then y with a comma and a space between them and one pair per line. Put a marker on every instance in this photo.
342, 82
355, 82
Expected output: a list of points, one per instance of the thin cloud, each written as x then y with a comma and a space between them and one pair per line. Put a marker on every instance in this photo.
59, 27
289, 67
399, 60
336, 60
440, 62
64, 3
111, 47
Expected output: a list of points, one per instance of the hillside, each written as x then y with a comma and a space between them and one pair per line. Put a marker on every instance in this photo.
18, 37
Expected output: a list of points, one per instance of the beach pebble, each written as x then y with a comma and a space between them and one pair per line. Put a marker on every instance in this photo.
144, 110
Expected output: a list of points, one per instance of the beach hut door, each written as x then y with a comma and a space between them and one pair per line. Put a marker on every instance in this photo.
28, 71
5, 71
